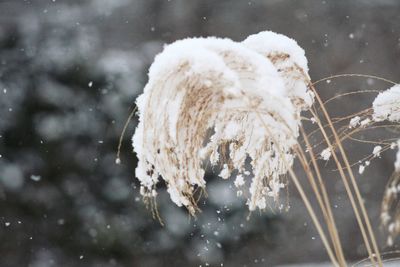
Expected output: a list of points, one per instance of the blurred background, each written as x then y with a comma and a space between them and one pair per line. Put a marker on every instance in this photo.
70, 71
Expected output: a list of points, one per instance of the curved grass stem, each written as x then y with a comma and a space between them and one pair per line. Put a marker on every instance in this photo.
361, 221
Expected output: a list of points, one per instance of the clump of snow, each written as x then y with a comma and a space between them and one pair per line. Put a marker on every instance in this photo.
387, 105
354, 122
247, 96
239, 181
224, 174
361, 169
326, 154
393, 145
365, 122
313, 120
377, 151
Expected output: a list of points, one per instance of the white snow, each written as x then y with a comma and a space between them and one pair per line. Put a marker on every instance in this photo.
285, 54
393, 145
387, 105
361, 169
239, 181
365, 122
354, 122
224, 174
326, 154
377, 151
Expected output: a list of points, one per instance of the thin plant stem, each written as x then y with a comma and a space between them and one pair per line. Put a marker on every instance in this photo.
349, 93
325, 196
353, 75
354, 184
347, 187
323, 205
121, 137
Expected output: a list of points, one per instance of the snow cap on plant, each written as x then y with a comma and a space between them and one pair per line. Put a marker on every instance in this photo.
218, 100
290, 61
387, 105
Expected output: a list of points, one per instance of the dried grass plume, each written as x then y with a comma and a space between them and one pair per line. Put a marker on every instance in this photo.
219, 101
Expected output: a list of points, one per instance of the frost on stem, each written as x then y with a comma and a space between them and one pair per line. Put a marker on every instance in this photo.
223, 101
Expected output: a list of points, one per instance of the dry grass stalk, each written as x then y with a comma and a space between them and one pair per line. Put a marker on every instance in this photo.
356, 206
324, 202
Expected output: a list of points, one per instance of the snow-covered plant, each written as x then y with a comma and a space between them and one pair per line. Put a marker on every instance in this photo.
236, 106
387, 105
385, 109
390, 214
289, 59
223, 101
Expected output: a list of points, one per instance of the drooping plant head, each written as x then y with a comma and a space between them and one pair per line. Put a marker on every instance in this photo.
290, 61
386, 107
218, 100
